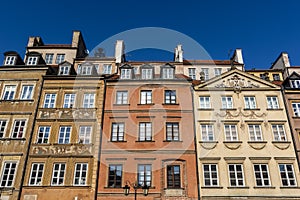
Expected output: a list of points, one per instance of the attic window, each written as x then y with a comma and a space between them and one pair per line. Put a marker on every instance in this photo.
146, 72
295, 83
106, 69
32, 60
64, 70
10, 60
126, 73
167, 72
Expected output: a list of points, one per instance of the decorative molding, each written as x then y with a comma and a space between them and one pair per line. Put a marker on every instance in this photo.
257, 145
282, 145
67, 149
240, 113
67, 113
208, 144
233, 145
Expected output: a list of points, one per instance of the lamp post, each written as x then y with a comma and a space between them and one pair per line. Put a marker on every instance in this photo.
135, 187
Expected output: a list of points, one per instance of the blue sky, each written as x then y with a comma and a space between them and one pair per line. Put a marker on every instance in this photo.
262, 29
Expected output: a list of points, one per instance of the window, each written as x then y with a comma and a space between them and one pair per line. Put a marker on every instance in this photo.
170, 97
96, 66
36, 174
255, 132
125, 73
26, 92
19, 128
122, 97
145, 132
262, 175
236, 175
272, 102
3, 124
287, 175
89, 100
144, 175
69, 100
10, 60
210, 175
115, 176
276, 77
64, 70
278, 131
204, 102
296, 109
206, 74
117, 133
218, 71
9, 92
167, 73
192, 73
86, 70
32, 60
207, 132
85, 133
227, 102
295, 83
172, 131
43, 135
49, 58
146, 97
250, 102
64, 135
8, 174
80, 173
59, 58
173, 176
49, 101
106, 69
58, 174
231, 132
147, 73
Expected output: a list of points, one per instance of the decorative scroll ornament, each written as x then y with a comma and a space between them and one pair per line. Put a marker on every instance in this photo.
62, 150
236, 83
229, 114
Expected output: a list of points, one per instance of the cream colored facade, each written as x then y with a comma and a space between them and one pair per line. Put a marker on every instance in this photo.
244, 143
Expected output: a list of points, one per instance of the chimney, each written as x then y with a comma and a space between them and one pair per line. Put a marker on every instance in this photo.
178, 57
34, 41
75, 38
119, 51
238, 56
281, 62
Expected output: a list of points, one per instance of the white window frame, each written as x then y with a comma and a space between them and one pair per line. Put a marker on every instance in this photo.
11, 172
211, 175
27, 92
144, 174
204, 102
82, 174
167, 73
207, 132
117, 132
64, 70
146, 97
250, 102
227, 102
51, 98
206, 73
56, 174
218, 71
89, 100
192, 73
64, 135
3, 126
85, 134
296, 109
170, 97
279, 132
60, 57
9, 92
126, 73
86, 69
172, 131
107, 69
147, 73
272, 102
20, 129
145, 131
36, 175
69, 100
295, 83
121, 97
49, 58
10, 60
32, 60
262, 175
231, 134
45, 135
255, 133
287, 173
236, 177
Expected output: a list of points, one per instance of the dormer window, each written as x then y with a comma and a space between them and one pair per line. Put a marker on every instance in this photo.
85, 69
295, 83
64, 70
32, 60
146, 72
167, 72
10, 60
126, 73
106, 69
59, 58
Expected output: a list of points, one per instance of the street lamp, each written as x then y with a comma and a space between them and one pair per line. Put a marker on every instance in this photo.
135, 187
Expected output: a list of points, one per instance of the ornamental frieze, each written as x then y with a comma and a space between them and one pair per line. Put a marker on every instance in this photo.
236, 83
62, 150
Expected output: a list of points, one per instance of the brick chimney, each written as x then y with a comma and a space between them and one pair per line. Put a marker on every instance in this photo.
178, 54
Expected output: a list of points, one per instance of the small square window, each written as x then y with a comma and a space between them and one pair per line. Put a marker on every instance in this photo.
10, 60
60, 58
32, 60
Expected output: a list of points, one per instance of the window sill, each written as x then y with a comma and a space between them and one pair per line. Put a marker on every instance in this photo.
170, 104
113, 188
289, 187
125, 104
151, 141
251, 109
117, 141
173, 188
264, 187
208, 109
211, 187
238, 187
13, 139
296, 117
145, 104
172, 141
274, 109
229, 109
17, 100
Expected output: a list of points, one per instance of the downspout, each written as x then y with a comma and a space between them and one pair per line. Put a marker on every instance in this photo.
30, 138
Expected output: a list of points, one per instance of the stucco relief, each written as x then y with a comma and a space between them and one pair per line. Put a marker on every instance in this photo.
62, 149
252, 114
67, 113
